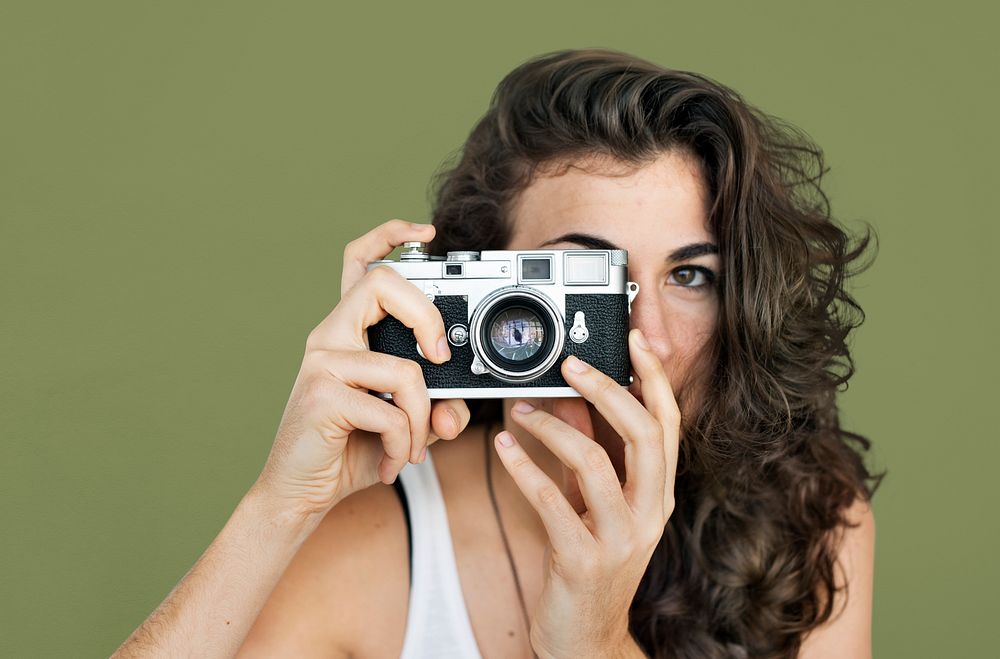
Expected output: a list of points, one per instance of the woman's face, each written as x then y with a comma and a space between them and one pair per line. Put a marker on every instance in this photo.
659, 213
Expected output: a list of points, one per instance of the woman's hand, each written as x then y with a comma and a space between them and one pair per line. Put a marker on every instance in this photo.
335, 438
596, 559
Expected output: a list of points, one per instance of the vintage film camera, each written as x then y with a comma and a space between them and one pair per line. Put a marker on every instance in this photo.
512, 317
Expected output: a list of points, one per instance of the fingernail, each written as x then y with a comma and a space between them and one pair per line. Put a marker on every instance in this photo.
576, 365
419, 226
505, 439
423, 454
444, 352
523, 407
640, 340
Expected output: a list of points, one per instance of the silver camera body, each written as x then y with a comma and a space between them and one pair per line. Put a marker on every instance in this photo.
512, 316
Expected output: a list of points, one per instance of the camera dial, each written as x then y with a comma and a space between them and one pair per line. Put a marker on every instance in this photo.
463, 256
414, 251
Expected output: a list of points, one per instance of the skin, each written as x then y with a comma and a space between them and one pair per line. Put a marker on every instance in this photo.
650, 211
611, 455
588, 481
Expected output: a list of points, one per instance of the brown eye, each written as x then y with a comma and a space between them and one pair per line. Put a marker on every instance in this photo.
692, 276
684, 276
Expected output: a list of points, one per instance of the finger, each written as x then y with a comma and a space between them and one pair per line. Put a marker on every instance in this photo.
602, 493
658, 397
382, 292
574, 412
641, 432
376, 245
448, 419
358, 410
567, 533
403, 378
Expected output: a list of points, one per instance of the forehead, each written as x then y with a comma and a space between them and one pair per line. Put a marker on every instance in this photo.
656, 206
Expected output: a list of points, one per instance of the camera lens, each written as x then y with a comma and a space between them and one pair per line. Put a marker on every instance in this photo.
517, 334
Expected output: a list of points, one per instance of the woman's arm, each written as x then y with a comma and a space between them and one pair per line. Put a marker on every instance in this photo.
210, 611
848, 632
334, 439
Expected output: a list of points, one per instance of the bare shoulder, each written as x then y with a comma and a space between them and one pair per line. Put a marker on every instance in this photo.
848, 631
854, 542
353, 568
861, 514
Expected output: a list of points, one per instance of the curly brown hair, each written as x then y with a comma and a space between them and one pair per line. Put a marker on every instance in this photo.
745, 566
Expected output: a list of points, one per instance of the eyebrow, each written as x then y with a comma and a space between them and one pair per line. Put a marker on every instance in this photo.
689, 251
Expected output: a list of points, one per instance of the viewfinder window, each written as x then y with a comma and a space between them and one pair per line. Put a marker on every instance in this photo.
536, 269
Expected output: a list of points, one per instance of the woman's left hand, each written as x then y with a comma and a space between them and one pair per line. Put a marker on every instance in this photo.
597, 556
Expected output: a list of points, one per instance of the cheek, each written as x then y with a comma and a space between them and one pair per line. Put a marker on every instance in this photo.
687, 333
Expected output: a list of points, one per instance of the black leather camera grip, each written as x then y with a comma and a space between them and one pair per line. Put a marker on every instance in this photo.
606, 348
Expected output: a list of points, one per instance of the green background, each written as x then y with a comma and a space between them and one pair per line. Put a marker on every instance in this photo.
178, 180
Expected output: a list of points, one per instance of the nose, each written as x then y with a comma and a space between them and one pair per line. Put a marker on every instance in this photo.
647, 316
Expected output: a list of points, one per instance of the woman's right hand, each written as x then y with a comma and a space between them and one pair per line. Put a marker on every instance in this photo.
335, 438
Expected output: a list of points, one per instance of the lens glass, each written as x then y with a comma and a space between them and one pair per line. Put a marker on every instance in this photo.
517, 334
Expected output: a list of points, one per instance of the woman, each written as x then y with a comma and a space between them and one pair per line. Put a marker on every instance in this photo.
715, 508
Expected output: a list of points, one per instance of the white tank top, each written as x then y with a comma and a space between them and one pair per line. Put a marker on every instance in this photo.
437, 623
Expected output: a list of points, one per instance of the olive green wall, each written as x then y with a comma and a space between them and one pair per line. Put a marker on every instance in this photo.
178, 180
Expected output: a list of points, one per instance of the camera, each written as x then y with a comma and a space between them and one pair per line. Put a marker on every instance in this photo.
512, 316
